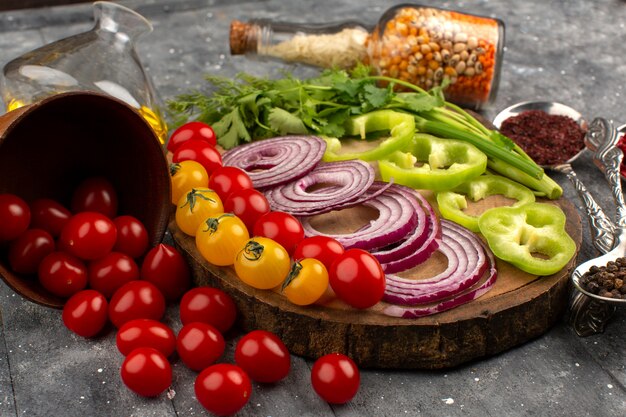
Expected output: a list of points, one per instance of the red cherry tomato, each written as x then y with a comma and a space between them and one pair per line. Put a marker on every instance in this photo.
14, 216
28, 250
263, 356
62, 274
227, 179
281, 227
199, 345
335, 378
223, 389
49, 215
88, 235
85, 313
208, 305
95, 194
110, 272
247, 204
145, 333
357, 278
201, 152
191, 130
136, 300
132, 236
166, 268
323, 248
146, 372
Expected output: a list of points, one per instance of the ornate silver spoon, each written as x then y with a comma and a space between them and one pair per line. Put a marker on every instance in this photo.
590, 312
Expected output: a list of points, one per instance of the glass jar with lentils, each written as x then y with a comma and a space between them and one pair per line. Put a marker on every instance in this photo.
426, 46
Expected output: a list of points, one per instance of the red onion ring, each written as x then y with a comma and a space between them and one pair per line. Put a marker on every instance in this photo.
468, 287
397, 218
466, 265
420, 244
460, 299
278, 160
343, 183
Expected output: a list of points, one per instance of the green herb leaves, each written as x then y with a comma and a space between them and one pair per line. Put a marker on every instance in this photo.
249, 108
285, 122
231, 129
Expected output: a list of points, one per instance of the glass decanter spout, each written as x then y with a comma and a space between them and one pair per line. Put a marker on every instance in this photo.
124, 22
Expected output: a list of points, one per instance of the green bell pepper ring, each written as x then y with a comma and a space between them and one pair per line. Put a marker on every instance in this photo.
446, 163
453, 203
401, 127
532, 237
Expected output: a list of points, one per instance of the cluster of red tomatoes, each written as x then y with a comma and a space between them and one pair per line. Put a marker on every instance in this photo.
87, 246
233, 225
222, 388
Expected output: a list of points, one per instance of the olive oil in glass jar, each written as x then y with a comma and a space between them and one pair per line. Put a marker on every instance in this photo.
102, 59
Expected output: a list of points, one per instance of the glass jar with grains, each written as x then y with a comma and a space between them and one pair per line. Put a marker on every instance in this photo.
426, 46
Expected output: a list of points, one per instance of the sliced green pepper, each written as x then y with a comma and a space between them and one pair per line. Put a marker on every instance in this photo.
445, 163
452, 203
401, 127
532, 237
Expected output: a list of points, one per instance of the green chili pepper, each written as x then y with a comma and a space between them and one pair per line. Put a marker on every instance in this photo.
401, 127
453, 203
532, 237
445, 163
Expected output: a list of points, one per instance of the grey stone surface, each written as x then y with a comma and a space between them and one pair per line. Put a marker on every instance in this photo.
571, 51
7, 402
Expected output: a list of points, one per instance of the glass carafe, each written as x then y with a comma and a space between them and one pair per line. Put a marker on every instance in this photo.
102, 59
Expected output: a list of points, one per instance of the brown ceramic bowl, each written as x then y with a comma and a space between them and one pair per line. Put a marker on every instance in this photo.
47, 148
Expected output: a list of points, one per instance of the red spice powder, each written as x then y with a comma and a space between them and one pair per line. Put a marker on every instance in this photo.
548, 139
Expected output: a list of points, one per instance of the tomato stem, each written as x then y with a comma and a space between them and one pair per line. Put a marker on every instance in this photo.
212, 223
174, 168
192, 196
253, 250
293, 274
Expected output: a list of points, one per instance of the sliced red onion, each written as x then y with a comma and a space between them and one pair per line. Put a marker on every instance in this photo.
467, 288
420, 244
342, 185
397, 218
466, 264
420, 254
460, 299
278, 160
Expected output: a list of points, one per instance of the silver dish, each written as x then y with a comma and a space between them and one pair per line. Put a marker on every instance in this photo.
550, 107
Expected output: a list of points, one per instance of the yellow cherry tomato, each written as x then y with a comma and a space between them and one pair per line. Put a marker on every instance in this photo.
262, 263
186, 175
306, 282
195, 207
220, 237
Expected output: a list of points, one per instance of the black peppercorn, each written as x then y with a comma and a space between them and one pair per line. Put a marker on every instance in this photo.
607, 281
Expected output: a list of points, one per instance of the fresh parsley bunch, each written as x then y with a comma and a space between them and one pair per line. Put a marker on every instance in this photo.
248, 107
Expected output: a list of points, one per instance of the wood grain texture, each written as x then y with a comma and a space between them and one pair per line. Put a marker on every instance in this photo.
518, 308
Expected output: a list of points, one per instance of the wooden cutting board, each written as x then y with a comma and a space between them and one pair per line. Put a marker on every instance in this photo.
518, 308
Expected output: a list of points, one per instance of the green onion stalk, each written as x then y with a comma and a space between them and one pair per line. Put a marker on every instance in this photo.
505, 156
